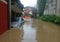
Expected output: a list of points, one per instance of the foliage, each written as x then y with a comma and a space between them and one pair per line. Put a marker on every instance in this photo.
41, 6
50, 18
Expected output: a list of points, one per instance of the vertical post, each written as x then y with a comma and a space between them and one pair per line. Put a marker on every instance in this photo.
9, 14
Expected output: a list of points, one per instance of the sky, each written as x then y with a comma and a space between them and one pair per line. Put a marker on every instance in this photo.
31, 3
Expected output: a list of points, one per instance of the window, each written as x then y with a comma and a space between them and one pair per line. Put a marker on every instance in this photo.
50, 1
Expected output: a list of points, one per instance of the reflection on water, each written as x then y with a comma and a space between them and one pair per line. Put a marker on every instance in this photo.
39, 31
33, 31
29, 32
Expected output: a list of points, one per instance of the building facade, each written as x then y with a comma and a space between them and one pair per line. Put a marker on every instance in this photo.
52, 7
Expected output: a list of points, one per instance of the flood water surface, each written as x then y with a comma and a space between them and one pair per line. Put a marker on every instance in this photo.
33, 31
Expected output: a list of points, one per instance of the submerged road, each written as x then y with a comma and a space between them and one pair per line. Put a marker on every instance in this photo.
33, 31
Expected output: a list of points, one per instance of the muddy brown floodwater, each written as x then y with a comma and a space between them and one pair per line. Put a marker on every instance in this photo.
33, 31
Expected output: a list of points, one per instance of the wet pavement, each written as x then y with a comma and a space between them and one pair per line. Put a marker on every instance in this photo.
33, 31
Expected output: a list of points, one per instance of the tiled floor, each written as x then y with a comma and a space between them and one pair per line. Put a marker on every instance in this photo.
33, 31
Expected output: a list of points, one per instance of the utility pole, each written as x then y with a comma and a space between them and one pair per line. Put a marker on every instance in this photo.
9, 14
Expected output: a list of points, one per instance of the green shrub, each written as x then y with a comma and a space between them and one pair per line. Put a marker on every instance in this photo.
57, 20
47, 18
51, 18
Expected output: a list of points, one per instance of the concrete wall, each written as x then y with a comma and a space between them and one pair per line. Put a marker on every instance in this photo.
58, 8
50, 7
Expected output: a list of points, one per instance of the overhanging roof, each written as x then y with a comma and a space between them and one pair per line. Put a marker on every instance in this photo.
17, 6
15, 9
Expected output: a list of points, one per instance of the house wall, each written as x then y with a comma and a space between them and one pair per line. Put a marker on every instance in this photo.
3, 17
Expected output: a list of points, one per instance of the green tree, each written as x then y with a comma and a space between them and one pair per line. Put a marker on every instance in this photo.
41, 6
